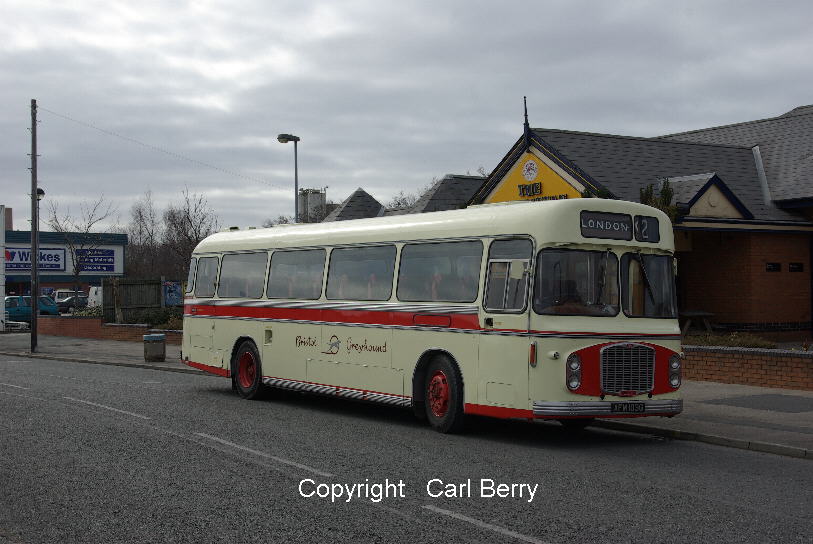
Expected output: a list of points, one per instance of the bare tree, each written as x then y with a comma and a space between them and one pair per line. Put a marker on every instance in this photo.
80, 233
144, 238
402, 200
185, 225
280, 220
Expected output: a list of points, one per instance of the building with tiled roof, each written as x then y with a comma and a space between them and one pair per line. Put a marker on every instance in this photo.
744, 197
359, 205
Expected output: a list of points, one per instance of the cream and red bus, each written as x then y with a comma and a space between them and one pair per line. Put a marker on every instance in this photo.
561, 309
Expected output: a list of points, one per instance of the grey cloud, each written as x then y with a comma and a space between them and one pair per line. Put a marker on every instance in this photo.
385, 96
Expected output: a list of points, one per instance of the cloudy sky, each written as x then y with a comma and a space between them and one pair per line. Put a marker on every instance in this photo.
385, 95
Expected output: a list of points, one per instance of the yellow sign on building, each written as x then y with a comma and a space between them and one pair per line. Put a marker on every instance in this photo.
531, 178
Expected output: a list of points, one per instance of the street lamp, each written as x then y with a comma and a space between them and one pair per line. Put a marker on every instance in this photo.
284, 139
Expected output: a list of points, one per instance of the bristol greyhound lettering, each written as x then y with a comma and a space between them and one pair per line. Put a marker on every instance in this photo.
333, 345
365, 347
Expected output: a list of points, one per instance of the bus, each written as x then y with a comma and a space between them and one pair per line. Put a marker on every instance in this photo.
560, 309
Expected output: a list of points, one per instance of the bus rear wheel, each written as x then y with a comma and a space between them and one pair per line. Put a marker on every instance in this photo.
247, 376
443, 396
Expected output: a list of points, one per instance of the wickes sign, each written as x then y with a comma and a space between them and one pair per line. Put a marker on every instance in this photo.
19, 258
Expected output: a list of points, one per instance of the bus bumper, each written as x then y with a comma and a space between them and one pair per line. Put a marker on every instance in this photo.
637, 408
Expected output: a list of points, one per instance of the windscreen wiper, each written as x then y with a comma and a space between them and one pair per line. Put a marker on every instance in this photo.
603, 276
646, 276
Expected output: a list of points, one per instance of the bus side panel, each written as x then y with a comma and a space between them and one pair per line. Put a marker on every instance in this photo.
197, 334
226, 333
287, 347
503, 371
409, 345
356, 357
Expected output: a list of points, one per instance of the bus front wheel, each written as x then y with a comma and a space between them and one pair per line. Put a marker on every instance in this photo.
247, 376
443, 396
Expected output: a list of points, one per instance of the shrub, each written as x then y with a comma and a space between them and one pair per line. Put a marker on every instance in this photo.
156, 316
90, 311
734, 339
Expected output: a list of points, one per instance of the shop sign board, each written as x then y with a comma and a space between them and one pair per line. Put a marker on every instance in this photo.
96, 260
19, 258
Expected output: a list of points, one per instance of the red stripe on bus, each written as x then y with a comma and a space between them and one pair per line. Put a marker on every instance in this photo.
208, 368
365, 317
497, 411
368, 317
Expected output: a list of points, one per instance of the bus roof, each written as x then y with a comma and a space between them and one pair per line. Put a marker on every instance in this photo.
552, 221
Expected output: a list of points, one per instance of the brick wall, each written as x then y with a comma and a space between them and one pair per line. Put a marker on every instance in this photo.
92, 327
749, 366
724, 273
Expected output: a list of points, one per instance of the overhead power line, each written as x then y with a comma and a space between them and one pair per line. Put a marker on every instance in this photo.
158, 149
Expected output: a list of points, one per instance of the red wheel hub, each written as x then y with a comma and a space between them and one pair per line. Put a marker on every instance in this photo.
246, 370
438, 394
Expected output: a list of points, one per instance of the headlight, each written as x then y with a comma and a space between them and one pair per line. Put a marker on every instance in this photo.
574, 372
675, 371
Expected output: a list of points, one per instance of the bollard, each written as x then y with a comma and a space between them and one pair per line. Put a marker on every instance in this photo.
155, 348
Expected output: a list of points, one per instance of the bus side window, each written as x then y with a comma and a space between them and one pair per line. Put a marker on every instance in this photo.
242, 275
440, 272
296, 274
361, 273
509, 263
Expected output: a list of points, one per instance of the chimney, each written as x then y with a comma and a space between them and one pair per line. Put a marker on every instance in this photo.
9, 220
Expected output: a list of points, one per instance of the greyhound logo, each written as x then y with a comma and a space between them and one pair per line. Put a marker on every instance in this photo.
333, 345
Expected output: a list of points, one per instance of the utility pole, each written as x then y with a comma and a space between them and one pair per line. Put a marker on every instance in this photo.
35, 222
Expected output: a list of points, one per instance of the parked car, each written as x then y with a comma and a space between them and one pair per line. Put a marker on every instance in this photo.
47, 305
72, 303
19, 307
62, 294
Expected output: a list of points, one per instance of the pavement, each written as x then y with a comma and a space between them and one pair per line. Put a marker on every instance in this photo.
778, 421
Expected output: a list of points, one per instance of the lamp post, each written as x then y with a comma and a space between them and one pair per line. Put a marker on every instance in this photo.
284, 139
35, 270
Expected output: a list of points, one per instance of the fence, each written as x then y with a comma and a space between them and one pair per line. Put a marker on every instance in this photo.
125, 299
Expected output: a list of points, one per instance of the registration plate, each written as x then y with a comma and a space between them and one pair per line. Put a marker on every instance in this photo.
627, 407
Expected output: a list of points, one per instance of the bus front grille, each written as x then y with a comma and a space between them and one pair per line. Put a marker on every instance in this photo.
627, 369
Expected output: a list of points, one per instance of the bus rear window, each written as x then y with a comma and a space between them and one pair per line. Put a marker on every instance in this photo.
441, 272
205, 277
190, 279
575, 282
361, 273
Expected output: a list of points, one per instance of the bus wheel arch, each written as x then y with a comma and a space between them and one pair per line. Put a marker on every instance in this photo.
246, 369
437, 391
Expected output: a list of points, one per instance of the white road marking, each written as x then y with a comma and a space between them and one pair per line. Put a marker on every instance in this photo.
106, 407
484, 525
22, 396
12, 385
267, 455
